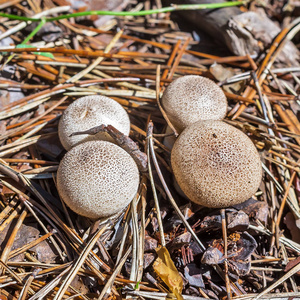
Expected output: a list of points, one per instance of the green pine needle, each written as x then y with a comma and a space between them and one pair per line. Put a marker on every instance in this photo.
125, 13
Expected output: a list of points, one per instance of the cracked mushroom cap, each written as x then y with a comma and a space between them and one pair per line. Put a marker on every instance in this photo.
87, 112
191, 98
215, 164
97, 179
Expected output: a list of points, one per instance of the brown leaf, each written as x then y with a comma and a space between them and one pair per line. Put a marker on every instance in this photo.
291, 264
166, 270
255, 209
212, 256
150, 243
290, 223
193, 275
221, 74
237, 221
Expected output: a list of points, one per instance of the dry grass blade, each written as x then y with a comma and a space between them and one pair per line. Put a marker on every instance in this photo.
14, 131
158, 90
158, 213
227, 281
54, 10
98, 60
110, 282
73, 271
65, 60
135, 240
18, 251
7, 249
50, 286
278, 282
172, 201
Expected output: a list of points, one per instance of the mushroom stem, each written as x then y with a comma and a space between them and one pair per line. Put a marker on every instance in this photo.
123, 141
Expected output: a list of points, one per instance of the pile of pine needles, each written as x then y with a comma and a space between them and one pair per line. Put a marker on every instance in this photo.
132, 59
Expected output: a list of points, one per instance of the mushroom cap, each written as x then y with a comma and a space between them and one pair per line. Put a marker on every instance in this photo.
191, 98
215, 164
87, 112
97, 179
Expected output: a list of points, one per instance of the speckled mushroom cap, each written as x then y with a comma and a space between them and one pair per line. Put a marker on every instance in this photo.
97, 179
191, 98
215, 164
87, 112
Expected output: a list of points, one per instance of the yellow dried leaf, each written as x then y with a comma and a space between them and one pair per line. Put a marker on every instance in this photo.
166, 270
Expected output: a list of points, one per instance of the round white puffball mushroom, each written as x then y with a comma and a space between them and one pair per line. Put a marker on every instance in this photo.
215, 164
87, 112
191, 98
97, 179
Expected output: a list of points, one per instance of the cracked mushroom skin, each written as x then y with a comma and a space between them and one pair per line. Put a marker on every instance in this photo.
215, 164
87, 112
191, 98
97, 179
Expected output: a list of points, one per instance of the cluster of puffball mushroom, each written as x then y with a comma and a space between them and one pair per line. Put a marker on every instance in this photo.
215, 164
96, 178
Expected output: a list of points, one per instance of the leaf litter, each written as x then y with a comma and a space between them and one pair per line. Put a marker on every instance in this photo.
162, 246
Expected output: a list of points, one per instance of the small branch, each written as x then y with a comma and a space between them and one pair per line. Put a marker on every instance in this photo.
175, 206
158, 213
224, 230
123, 141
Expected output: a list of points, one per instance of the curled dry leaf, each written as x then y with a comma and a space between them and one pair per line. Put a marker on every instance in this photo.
237, 221
164, 267
254, 209
290, 223
212, 256
240, 248
150, 243
192, 274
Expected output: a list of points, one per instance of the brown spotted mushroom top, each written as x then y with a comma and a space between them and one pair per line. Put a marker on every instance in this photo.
87, 112
97, 179
215, 164
191, 98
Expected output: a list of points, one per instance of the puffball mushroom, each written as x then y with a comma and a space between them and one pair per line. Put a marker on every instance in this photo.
87, 112
215, 164
191, 98
97, 179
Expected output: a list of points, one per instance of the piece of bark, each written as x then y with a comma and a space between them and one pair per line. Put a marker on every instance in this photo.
258, 31
193, 274
25, 235
150, 243
242, 33
209, 21
237, 221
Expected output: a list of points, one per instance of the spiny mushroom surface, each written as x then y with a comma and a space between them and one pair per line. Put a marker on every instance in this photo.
215, 164
97, 179
87, 112
191, 98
